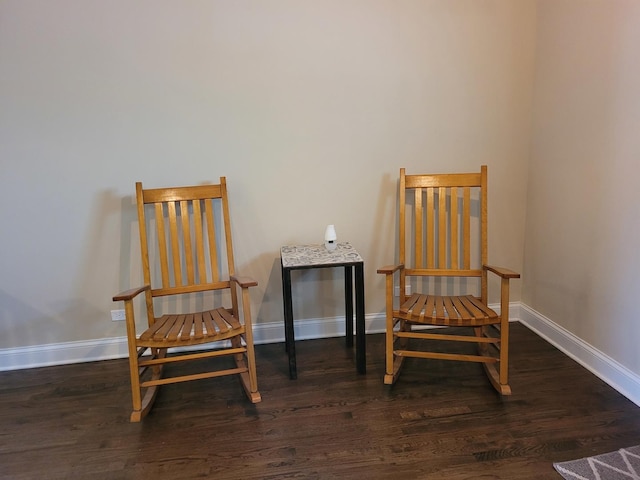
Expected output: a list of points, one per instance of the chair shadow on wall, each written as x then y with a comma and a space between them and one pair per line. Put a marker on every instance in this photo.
18, 320
74, 318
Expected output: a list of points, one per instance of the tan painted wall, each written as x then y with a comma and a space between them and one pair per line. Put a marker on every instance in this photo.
583, 229
308, 108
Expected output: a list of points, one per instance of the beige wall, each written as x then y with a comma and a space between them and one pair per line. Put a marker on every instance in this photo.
308, 108
583, 229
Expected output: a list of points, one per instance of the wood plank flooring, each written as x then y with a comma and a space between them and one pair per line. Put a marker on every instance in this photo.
441, 420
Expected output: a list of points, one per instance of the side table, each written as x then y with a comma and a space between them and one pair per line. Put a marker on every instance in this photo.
298, 257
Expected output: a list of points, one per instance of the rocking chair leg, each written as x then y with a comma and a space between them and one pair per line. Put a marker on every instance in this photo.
498, 379
390, 379
494, 378
141, 407
245, 380
147, 403
248, 379
394, 362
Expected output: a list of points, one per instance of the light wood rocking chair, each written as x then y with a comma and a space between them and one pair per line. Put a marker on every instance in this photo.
189, 253
442, 247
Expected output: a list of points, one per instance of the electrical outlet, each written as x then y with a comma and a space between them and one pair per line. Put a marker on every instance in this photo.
117, 315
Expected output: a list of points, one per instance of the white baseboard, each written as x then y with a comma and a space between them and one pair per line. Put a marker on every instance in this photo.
62, 353
603, 366
116, 347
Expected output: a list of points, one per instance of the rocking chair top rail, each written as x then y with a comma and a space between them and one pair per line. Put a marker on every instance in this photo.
445, 180
175, 194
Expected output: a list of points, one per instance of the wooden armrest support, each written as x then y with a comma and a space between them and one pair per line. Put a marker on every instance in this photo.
129, 294
387, 269
502, 272
244, 281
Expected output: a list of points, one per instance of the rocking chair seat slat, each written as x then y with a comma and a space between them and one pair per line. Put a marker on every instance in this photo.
219, 321
198, 326
228, 318
464, 313
209, 327
176, 329
187, 333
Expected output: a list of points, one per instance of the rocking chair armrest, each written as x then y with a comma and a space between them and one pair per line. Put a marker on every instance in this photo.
502, 272
244, 281
389, 269
130, 294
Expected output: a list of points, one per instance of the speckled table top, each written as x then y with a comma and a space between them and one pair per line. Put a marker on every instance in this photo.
310, 255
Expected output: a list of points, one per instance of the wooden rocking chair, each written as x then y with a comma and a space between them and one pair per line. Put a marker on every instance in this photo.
189, 253
442, 245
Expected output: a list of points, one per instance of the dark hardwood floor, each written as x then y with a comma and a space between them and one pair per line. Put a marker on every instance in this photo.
441, 420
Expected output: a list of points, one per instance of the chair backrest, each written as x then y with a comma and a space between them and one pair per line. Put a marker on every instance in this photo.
443, 226
185, 239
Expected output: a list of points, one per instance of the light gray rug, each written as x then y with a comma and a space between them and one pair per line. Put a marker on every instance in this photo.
621, 465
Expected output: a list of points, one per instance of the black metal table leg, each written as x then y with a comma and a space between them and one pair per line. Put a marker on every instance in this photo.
361, 353
290, 344
348, 302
